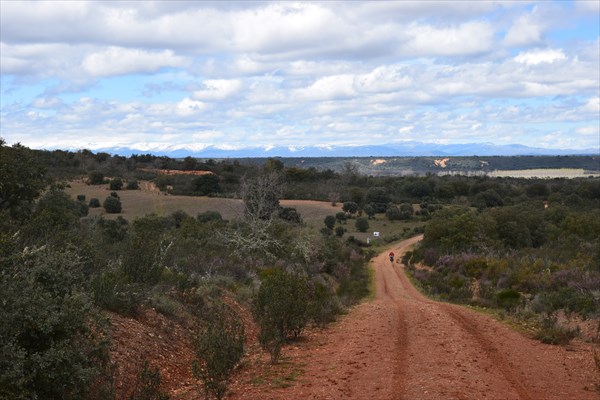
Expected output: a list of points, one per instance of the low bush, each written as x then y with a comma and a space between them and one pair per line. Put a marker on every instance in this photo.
112, 291
94, 203
132, 185
147, 386
508, 299
112, 205
116, 184
362, 224
280, 308
219, 347
551, 332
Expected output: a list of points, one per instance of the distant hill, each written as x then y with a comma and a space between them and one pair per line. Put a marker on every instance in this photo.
404, 149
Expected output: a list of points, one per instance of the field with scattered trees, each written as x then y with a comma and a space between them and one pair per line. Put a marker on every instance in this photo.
91, 241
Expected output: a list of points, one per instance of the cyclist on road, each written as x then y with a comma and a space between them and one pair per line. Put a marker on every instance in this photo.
391, 256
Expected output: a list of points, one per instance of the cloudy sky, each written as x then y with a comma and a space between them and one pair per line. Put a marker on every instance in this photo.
148, 75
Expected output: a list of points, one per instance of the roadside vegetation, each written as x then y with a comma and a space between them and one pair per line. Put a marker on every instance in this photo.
528, 247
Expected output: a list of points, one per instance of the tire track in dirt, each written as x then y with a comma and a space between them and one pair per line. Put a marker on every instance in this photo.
470, 327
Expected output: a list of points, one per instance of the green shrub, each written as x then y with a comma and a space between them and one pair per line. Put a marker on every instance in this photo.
219, 347
51, 341
290, 214
280, 308
81, 197
112, 205
350, 207
341, 217
94, 203
339, 231
132, 185
165, 305
208, 216
362, 224
329, 221
112, 291
324, 305
147, 386
116, 184
96, 178
508, 299
551, 332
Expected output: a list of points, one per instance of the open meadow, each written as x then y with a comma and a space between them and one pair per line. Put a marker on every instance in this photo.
149, 200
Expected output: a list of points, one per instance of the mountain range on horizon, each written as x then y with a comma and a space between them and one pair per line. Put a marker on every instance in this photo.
404, 149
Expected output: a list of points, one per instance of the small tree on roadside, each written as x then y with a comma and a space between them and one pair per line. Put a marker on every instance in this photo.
219, 347
280, 308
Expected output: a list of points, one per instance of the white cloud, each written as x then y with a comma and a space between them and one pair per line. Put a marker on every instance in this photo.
187, 107
218, 89
589, 131
328, 88
588, 7
121, 61
468, 38
592, 105
525, 31
539, 56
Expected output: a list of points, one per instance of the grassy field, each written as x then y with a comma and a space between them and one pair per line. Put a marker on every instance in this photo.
148, 200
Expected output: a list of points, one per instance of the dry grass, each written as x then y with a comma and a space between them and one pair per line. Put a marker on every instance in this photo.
148, 200
137, 203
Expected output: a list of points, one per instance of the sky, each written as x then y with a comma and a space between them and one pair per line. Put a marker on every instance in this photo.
189, 74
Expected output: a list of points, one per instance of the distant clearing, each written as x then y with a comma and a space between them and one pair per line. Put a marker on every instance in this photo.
148, 200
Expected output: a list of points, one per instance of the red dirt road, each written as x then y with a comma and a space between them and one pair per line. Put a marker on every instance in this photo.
405, 346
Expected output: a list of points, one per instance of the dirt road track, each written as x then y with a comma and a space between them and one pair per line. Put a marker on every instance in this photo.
403, 346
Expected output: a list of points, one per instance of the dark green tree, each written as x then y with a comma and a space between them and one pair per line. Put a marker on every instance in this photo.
115, 184
350, 207
329, 221
280, 308
51, 340
362, 224
95, 178
21, 179
112, 205
206, 184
